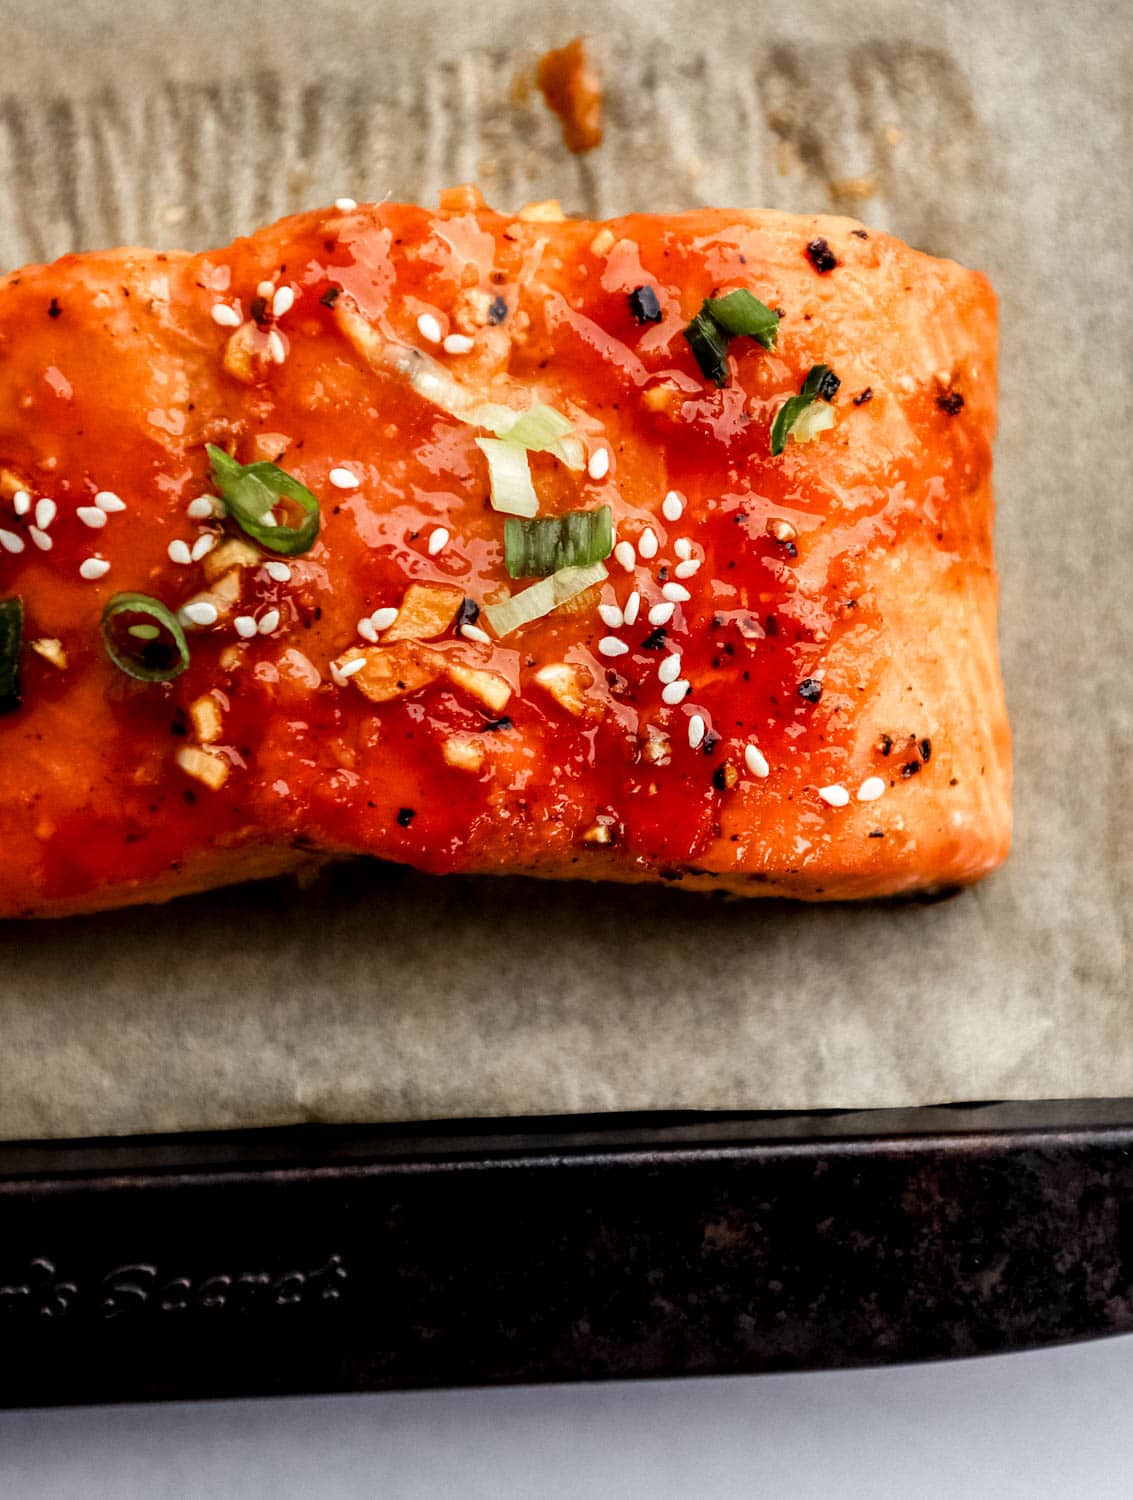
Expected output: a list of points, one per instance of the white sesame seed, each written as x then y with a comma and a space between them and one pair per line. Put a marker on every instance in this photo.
365, 629
282, 302
609, 645
673, 505
179, 552
599, 465
756, 761
344, 205
673, 692
458, 343
835, 796
89, 515
202, 546
93, 567
343, 479
225, 316
199, 509
670, 668
201, 612
269, 622
268, 519
21, 502
661, 614
382, 619
245, 626
108, 501
277, 349
45, 513
430, 328
336, 675
632, 605
871, 788
611, 616
11, 542
676, 593
474, 633
682, 547
279, 572
40, 538
688, 568
266, 290
626, 556
438, 540
352, 666
696, 731
647, 543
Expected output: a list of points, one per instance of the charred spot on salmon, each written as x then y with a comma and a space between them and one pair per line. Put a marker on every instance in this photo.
497, 310
820, 255
910, 768
643, 305
863, 396
810, 689
925, 747
54, 310
405, 816
950, 402
331, 296
655, 640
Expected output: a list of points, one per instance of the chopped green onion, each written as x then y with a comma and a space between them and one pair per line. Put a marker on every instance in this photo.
740, 315
158, 655
542, 597
793, 419
534, 549
509, 476
11, 639
709, 344
250, 491
538, 428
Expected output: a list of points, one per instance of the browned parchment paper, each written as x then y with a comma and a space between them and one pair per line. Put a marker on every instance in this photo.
998, 134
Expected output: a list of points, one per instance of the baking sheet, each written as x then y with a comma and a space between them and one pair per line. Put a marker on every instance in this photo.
1000, 135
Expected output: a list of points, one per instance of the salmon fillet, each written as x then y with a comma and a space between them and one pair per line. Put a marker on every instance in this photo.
772, 673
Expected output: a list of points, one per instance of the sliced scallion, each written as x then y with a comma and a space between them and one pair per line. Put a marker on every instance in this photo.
794, 417
11, 639
251, 491
143, 638
740, 315
535, 549
709, 343
509, 478
542, 597
542, 429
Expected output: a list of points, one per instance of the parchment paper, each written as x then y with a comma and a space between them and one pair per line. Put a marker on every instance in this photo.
999, 134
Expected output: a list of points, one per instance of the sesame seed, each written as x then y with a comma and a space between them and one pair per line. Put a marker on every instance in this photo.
268, 519
673, 692
11, 542
697, 729
682, 547
835, 796
688, 568
670, 668
40, 538
45, 513
93, 567
201, 612
673, 506
199, 509
365, 629
89, 515
277, 349
108, 501
675, 593
266, 290
626, 556
336, 674
202, 546
225, 316
382, 619
474, 633
343, 479
599, 465
609, 645
647, 543
871, 788
661, 614
611, 616
458, 343
756, 761
269, 622
277, 571
21, 502
282, 301
344, 205
179, 552
352, 666
245, 626
632, 605
438, 540
430, 328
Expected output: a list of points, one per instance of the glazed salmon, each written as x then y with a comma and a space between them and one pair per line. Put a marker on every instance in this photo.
490, 543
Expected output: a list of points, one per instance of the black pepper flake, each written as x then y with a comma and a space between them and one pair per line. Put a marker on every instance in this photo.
497, 312
810, 689
711, 740
925, 747
860, 234
911, 768
54, 310
190, 796
468, 613
643, 304
330, 296
862, 397
501, 722
655, 640
180, 724
885, 744
405, 816
820, 255
258, 307
718, 779
950, 402
771, 625
877, 834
